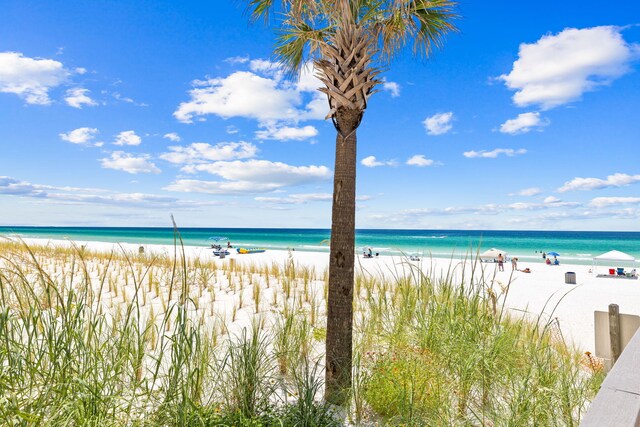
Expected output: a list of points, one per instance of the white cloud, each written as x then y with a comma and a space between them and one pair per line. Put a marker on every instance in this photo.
261, 94
75, 195
200, 152
82, 135
420, 161
438, 124
232, 130
242, 94
220, 187
126, 162
533, 191
266, 67
128, 100
551, 199
392, 87
127, 137
411, 215
30, 78
237, 60
252, 176
372, 162
77, 97
316, 109
297, 199
601, 202
509, 152
285, 133
523, 123
585, 184
307, 81
559, 68
15, 187
264, 171
172, 136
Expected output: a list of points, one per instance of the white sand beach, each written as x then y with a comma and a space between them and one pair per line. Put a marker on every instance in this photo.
543, 292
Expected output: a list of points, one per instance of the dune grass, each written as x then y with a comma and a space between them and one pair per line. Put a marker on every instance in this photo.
119, 339
448, 354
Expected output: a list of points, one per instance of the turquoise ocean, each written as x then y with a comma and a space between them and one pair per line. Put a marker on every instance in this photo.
574, 247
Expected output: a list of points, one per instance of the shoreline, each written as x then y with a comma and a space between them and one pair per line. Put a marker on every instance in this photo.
575, 247
543, 292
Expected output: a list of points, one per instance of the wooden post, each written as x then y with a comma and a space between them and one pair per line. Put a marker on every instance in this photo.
614, 332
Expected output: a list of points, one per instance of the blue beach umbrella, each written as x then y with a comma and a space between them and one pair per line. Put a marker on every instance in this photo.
218, 238
553, 253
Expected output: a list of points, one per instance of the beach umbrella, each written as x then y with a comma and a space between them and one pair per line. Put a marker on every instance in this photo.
553, 253
492, 253
218, 238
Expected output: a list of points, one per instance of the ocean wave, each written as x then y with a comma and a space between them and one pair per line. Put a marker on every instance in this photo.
323, 247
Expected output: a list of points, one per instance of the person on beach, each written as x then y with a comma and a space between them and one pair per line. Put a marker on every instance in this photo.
548, 261
229, 245
544, 255
514, 264
500, 262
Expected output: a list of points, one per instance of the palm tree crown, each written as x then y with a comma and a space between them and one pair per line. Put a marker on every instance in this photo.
344, 37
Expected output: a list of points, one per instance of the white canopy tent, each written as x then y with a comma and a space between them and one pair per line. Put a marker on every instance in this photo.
614, 256
620, 259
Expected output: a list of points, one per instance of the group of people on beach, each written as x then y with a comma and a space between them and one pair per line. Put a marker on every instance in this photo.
218, 247
548, 261
514, 264
368, 253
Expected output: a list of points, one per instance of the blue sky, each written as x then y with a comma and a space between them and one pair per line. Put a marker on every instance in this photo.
120, 113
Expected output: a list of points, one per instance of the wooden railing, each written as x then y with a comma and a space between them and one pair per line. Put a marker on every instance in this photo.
617, 404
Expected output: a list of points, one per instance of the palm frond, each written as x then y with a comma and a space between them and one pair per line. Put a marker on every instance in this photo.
259, 9
436, 20
397, 23
298, 43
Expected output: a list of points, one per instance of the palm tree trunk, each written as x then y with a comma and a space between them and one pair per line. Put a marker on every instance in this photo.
341, 263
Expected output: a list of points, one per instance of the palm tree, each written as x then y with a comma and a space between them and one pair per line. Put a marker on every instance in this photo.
344, 38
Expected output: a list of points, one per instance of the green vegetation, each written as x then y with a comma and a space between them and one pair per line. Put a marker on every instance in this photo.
447, 354
118, 339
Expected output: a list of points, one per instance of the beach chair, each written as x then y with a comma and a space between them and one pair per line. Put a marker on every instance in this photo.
612, 271
620, 271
